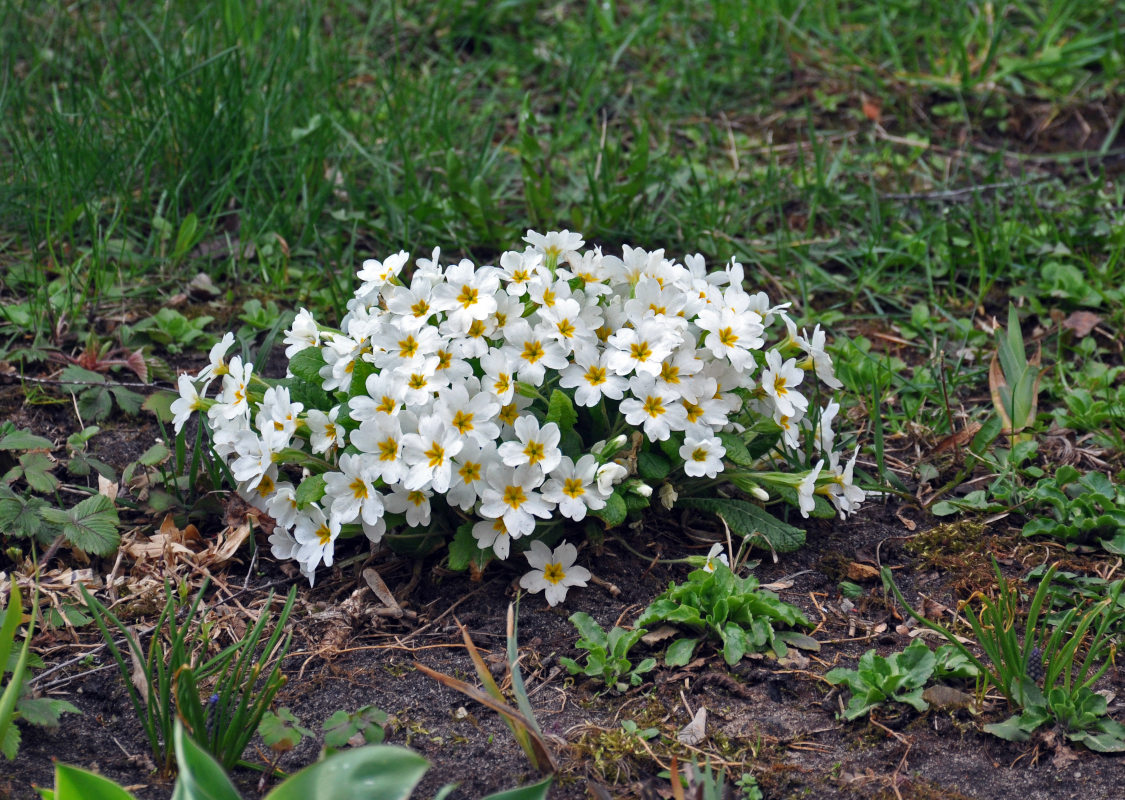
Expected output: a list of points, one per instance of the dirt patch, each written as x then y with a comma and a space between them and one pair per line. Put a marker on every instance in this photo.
776, 722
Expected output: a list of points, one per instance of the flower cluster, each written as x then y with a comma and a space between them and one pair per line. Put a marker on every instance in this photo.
479, 391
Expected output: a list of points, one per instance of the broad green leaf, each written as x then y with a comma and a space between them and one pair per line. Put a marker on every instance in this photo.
44, 711
91, 525
160, 404
736, 449
1010, 729
74, 783
614, 512
588, 629
74, 378
679, 652
309, 491
750, 521
129, 400
380, 771
201, 777
282, 731
154, 455
37, 472
536, 791
306, 365
653, 466
560, 410
463, 548
24, 440
22, 517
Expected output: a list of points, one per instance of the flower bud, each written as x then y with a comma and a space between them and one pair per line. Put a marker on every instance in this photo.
609, 475
668, 496
640, 488
606, 450
760, 493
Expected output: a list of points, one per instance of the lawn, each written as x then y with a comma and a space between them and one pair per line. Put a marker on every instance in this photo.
938, 189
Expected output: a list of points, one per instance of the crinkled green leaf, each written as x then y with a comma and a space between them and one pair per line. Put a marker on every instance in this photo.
750, 521
24, 440
306, 365
614, 512
560, 410
91, 525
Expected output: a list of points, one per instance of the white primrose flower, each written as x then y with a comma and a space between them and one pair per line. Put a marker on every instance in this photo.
493, 533
385, 393
469, 468
592, 379
642, 349
807, 487
381, 436
556, 246
818, 358
189, 401
467, 295
553, 572
415, 503
842, 491
216, 363
511, 494
573, 487
282, 506
715, 555
517, 270
324, 433
375, 274
732, 335
778, 381
825, 437
315, 540
499, 375
302, 334
279, 413
469, 416
608, 476
350, 493
532, 353
535, 446
429, 454
233, 402
657, 409
702, 452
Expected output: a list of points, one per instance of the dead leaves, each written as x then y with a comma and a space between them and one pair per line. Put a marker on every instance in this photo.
171, 545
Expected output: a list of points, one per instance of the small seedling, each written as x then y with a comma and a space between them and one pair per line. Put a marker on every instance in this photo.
607, 654
898, 678
720, 605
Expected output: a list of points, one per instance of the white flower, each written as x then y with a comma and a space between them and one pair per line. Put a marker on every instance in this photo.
188, 402
556, 246
553, 572
414, 502
537, 447
818, 359
608, 476
324, 434
702, 452
302, 334
350, 493
511, 494
216, 365
653, 407
429, 454
592, 379
572, 487
807, 487
778, 381
493, 533
716, 554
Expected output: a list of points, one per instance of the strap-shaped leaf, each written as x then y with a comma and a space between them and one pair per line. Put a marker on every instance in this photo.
748, 520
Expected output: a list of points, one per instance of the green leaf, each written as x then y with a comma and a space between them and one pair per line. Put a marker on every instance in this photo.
37, 472
281, 731
679, 652
74, 783
44, 711
75, 379
653, 466
129, 400
380, 771
560, 410
201, 777
160, 404
736, 449
306, 365
22, 517
614, 512
91, 525
535, 791
155, 455
310, 490
24, 440
750, 521
1010, 729
342, 726
589, 630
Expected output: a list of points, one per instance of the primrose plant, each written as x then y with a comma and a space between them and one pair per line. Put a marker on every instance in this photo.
607, 653
481, 406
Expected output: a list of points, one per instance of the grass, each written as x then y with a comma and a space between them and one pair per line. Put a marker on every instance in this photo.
904, 173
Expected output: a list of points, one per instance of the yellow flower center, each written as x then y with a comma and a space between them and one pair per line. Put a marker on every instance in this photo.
669, 373
359, 488
595, 376
532, 352
387, 405
565, 328
468, 296
323, 535
572, 487
463, 422
508, 414
408, 346
779, 385
388, 449
640, 351
266, 486
514, 496
420, 309
534, 452
436, 455
416, 497
699, 454
553, 573
654, 405
727, 337
470, 471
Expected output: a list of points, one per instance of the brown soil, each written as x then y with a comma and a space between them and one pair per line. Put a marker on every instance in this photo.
777, 722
